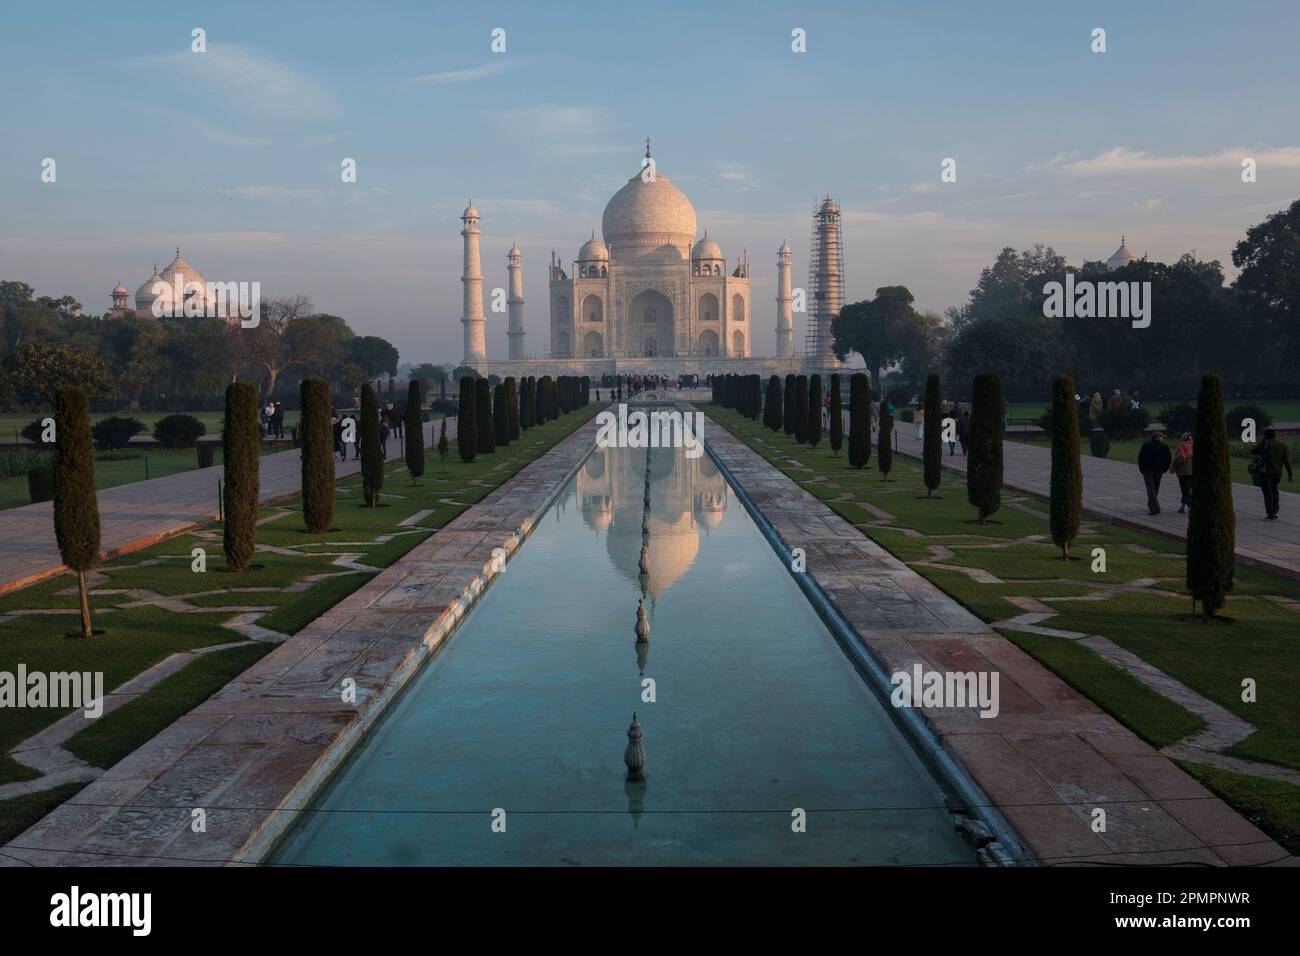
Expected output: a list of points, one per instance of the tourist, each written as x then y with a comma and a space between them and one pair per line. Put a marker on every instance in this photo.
337, 424
1182, 468
1133, 403
267, 412
1096, 406
277, 420
383, 438
1154, 460
954, 412
1116, 402
1273, 456
919, 420
875, 415
963, 430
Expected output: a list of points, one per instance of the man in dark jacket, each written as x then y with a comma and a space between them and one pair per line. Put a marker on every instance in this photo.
1154, 460
1274, 457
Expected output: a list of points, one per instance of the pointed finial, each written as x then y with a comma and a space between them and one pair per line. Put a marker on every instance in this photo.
178, 252
1123, 239
647, 147
155, 268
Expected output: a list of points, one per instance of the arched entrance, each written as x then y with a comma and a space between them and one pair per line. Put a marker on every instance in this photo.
650, 324
708, 343
738, 343
593, 345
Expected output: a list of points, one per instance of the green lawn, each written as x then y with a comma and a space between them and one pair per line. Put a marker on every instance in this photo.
136, 638
1256, 639
115, 468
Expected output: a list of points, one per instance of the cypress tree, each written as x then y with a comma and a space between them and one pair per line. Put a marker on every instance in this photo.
372, 456
1212, 525
316, 435
487, 443
801, 409
1067, 471
526, 417
984, 459
789, 418
814, 411
500, 417
931, 448
884, 442
562, 394
241, 444
774, 403
442, 443
548, 398
539, 400
837, 419
76, 509
467, 421
756, 396
414, 427
859, 420
512, 407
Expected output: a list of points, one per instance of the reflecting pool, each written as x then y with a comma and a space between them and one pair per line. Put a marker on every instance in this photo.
757, 712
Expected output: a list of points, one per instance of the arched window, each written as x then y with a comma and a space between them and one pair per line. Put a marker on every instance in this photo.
738, 343
738, 308
651, 314
604, 272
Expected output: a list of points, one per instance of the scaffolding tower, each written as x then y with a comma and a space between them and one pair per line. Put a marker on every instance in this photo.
826, 287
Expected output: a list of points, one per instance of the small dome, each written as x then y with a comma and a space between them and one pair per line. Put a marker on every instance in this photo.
784, 250
119, 289
145, 296
593, 250
1121, 257
706, 248
514, 252
470, 212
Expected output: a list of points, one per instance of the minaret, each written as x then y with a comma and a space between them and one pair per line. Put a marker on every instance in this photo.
826, 275
784, 315
472, 311
515, 303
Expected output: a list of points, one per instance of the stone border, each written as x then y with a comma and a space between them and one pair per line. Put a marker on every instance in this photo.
259, 750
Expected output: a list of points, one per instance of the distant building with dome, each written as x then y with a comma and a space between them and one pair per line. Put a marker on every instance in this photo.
160, 289
649, 296
1121, 256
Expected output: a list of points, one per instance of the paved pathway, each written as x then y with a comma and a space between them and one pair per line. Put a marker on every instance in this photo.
1114, 490
253, 755
1050, 757
137, 515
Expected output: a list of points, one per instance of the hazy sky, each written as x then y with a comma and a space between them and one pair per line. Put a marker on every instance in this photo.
234, 154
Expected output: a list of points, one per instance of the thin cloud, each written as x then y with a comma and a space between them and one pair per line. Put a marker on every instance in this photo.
494, 67
176, 120
248, 81
737, 177
561, 132
1122, 160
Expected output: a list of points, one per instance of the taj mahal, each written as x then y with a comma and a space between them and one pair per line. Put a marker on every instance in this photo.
650, 295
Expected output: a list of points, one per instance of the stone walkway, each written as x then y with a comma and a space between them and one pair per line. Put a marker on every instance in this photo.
1114, 490
253, 755
140, 514
1051, 757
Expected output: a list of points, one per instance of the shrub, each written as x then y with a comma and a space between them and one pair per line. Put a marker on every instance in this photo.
413, 423
1066, 486
40, 482
1178, 419
442, 444
789, 417
33, 430
1241, 412
1123, 423
1212, 525
178, 431
859, 420
931, 447
1099, 443
907, 415
115, 432
483, 416
76, 509
984, 457
512, 407
814, 410
16, 462
500, 417
467, 421
316, 432
241, 439
372, 455
884, 445
772, 410
801, 409
837, 418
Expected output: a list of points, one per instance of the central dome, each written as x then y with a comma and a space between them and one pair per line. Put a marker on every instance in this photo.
644, 216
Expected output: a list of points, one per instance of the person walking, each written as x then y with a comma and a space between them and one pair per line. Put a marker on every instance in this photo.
920, 420
277, 419
1182, 468
1154, 460
955, 414
384, 432
875, 415
338, 435
1096, 406
267, 412
1273, 456
963, 430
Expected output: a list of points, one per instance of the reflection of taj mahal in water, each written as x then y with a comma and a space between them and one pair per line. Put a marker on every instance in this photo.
689, 498
649, 297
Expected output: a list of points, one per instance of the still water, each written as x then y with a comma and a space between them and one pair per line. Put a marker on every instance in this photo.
757, 711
